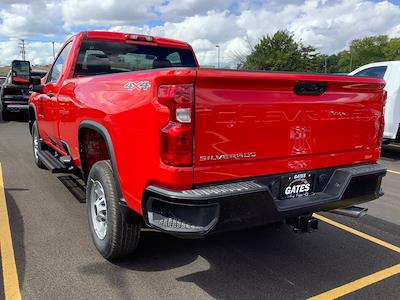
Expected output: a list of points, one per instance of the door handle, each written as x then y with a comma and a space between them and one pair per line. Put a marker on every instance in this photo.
50, 94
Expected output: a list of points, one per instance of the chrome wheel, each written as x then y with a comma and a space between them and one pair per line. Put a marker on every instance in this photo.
98, 206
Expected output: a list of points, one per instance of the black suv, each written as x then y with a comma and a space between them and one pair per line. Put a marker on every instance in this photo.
13, 97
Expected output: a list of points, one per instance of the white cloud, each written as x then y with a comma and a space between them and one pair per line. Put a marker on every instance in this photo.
23, 20
38, 53
41, 53
394, 31
331, 28
232, 24
108, 12
179, 9
9, 51
202, 32
327, 25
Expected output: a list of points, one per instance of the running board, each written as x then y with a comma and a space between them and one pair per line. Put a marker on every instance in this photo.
51, 162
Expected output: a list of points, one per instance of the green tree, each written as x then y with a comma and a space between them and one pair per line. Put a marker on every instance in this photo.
323, 63
280, 52
367, 50
392, 49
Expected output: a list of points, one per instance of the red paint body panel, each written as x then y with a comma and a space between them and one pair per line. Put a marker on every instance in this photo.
235, 112
259, 113
133, 119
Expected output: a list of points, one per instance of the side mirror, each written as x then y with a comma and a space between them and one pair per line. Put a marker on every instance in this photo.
21, 72
37, 84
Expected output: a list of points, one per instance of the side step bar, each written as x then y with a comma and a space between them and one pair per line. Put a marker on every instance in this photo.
51, 162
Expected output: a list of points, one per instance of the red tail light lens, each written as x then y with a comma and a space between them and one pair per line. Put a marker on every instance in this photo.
382, 123
177, 135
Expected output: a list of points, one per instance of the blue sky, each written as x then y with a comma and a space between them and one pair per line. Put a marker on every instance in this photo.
329, 25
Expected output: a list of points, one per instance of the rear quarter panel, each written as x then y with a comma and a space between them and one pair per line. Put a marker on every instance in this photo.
133, 119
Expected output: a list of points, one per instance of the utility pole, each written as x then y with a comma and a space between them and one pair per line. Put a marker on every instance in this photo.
326, 61
23, 51
351, 60
218, 47
54, 52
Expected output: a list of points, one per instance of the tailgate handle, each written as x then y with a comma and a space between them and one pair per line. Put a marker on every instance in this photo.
310, 88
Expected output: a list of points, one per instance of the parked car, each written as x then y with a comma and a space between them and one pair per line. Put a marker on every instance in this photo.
14, 96
189, 151
390, 72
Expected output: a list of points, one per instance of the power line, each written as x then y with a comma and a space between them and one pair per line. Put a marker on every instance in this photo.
219, 48
23, 45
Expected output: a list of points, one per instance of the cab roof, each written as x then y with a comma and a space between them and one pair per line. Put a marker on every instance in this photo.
141, 38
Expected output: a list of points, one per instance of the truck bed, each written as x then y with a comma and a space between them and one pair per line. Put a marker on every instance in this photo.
250, 124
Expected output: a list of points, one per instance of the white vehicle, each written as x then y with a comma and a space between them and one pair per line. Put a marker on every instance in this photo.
390, 72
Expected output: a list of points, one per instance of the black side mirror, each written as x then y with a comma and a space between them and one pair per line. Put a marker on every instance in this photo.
21, 72
37, 85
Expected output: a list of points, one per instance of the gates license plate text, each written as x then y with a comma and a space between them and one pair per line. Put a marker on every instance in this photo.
296, 185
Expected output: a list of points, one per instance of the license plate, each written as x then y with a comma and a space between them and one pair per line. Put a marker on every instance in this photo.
297, 185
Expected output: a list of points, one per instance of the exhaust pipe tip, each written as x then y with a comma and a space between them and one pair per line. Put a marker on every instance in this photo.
351, 211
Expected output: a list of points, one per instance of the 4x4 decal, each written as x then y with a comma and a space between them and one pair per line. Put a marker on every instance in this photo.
137, 85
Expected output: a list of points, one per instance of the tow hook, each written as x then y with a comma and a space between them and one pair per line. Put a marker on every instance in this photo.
303, 223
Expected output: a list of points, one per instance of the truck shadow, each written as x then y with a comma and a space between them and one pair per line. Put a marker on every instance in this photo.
17, 233
17, 117
75, 186
391, 153
265, 262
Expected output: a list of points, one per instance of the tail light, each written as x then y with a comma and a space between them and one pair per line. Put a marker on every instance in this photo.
177, 135
382, 123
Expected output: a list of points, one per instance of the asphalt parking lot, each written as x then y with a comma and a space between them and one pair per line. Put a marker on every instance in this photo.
55, 258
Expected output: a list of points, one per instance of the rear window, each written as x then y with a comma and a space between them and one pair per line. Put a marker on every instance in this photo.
375, 72
100, 57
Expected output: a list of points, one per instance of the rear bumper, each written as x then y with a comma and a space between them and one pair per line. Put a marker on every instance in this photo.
17, 107
221, 207
11, 98
15, 104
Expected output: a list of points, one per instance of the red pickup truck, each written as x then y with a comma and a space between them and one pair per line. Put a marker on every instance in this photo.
163, 143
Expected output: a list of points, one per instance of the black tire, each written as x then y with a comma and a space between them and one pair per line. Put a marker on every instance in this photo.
5, 115
36, 142
121, 238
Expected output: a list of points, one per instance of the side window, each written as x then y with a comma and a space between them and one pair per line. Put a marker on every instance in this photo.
59, 64
376, 72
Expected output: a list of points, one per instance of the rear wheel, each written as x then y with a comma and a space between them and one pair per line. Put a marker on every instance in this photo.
37, 145
112, 235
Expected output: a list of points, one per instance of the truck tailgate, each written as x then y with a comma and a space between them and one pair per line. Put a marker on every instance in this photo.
251, 123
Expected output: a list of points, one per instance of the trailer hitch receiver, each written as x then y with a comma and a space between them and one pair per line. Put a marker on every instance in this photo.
303, 223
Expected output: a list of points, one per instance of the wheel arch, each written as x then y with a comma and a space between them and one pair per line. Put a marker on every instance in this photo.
103, 132
32, 116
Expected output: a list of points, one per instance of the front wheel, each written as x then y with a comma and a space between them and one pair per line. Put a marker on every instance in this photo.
36, 145
111, 234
